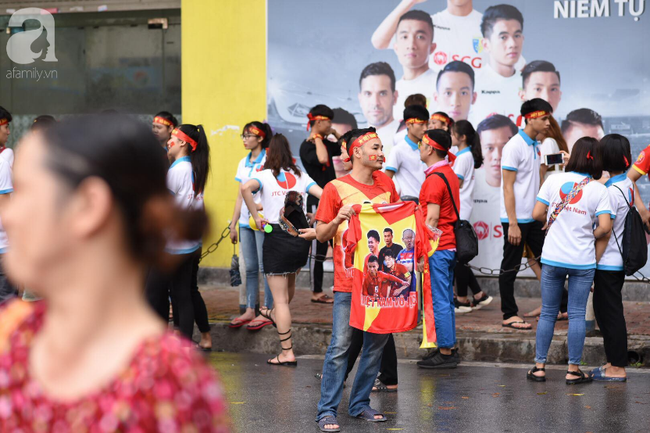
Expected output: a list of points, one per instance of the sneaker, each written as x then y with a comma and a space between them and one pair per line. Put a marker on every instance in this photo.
482, 301
439, 361
435, 351
462, 307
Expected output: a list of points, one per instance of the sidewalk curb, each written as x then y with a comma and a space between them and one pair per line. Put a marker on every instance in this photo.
473, 345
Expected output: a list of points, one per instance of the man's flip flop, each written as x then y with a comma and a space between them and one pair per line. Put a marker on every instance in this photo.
323, 300
369, 415
238, 323
380, 387
510, 325
259, 325
328, 420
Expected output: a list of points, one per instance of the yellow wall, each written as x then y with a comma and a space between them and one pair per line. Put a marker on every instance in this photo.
224, 84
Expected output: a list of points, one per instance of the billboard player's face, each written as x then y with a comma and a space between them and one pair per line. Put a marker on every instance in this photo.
373, 267
377, 99
544, 85
455, 94
492, 142
413, 43
578, 130
505, 43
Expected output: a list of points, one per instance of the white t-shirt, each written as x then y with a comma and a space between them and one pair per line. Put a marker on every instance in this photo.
496, 94
8, 155
386, 134
612, 259
521, 154
6, 187
405, 162
245, 171
272, 190
457, 38
425, 84
180, 182
464, 169
570, 241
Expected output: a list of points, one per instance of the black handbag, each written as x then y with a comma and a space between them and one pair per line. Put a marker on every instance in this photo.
466, 239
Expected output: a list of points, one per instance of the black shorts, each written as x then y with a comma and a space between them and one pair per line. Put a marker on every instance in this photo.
282, 253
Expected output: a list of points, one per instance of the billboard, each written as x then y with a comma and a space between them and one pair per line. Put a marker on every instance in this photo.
580, 55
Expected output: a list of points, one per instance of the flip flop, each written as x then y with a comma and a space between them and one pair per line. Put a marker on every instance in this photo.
259, 325
238, 323
599, 375
510, 325
203, 349
369, 415
326, 299
328, 420
379, 386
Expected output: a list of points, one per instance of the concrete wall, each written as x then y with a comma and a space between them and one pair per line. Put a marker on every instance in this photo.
224, 87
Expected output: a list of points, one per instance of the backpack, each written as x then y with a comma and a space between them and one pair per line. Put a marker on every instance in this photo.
466, 239
635, 248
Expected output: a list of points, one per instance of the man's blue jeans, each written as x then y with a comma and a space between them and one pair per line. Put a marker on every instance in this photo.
250, 242
441, 271
553, 278
336, 362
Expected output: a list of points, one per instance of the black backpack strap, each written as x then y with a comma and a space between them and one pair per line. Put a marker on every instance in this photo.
614, 231
451, 195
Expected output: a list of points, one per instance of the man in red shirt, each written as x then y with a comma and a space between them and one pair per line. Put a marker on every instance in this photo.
640, 168
366, 182
439, 212
400, 271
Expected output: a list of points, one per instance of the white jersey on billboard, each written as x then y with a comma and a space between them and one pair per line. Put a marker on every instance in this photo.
425, 84
456, 38
496, 94
386, 134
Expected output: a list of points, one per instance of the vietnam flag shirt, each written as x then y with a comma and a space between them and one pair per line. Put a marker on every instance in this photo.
347, 191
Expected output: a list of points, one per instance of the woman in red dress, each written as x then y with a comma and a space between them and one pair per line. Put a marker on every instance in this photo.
89, 213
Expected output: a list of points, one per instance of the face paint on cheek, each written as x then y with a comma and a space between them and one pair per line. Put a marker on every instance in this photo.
373, 157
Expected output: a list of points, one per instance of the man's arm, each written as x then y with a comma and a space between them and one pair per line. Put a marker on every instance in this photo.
601, 245
433, 215
321, 150
327, 231
384, 33
508, 179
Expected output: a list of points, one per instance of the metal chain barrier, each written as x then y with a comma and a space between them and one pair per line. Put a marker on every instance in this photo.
212, 248
496, 272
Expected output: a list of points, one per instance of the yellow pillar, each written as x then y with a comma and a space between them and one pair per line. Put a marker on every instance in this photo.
224, 87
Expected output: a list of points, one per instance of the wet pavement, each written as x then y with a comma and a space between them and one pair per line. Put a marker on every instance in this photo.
475, 397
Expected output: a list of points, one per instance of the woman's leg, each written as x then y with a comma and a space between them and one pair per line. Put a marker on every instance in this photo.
580, 281
608, 307
268, 296
200, 311
462, 281
282, 315
248, 248
157, 292
552, 283
355, 348
181, 291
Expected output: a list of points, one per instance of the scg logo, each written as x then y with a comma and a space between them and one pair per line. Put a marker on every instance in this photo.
20, 45
482, 230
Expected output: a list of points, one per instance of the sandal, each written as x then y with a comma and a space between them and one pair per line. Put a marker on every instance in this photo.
517, 322
328, 420
325, 299
238, 323
277, 358
267, 315
599, 374
379, 386
582, 378
369, 415
256, 326
531, 376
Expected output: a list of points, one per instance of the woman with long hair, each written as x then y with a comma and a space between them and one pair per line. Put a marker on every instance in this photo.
569, 203
84, 224
552, 142
256, 137
189, 154
468, 158
282, 185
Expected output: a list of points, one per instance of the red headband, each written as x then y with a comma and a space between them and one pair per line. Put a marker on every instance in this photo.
3, 122
441, 118
589, 155
429, 142
180, 134
162, 121
414, 121
536, 114
256, 131
311, 118
361, 140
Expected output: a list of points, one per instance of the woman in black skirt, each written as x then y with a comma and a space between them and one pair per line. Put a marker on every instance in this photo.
286, 247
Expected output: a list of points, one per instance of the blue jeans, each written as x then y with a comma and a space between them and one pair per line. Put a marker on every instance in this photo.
441, 271
251, 242
336, 362
553, 279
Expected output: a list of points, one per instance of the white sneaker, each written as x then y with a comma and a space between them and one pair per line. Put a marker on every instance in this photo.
461, 308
